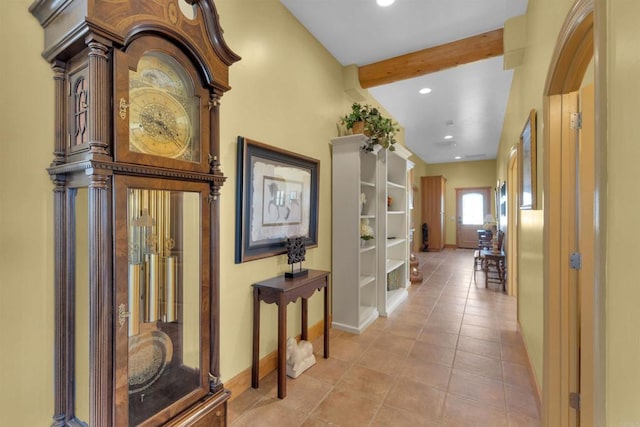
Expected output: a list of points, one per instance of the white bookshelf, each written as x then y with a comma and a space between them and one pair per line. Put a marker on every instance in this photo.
355, 276
368, 281
393, 211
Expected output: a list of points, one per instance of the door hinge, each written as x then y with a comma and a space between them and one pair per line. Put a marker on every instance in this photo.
576, 120
574, 400
575, 261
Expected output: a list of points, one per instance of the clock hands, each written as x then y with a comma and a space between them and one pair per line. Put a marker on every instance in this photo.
158, 122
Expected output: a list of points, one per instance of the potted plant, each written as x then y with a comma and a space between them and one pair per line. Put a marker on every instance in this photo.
367, 120
355, 119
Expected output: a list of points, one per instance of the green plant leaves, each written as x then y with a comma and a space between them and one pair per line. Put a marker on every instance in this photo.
382, 130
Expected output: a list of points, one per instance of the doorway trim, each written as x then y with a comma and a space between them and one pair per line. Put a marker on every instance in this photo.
513, 220
582, 37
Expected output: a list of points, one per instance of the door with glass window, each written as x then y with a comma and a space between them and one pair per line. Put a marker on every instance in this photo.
472, 205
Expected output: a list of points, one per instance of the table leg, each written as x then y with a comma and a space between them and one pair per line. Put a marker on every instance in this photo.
255, 366
304, 329
282, 348
326, 321
485, 267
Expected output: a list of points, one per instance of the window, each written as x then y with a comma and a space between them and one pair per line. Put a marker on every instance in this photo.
473, 209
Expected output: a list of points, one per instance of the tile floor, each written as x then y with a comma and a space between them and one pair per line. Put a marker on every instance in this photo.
450, 355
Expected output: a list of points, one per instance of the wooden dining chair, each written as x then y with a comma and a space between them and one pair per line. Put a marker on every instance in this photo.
484, 242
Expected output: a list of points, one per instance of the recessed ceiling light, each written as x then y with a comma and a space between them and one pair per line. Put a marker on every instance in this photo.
425, 90
457, 157
385, 3
448, 137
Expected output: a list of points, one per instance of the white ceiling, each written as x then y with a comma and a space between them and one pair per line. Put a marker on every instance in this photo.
467, 102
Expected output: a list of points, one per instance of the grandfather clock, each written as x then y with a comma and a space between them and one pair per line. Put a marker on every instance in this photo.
136, 210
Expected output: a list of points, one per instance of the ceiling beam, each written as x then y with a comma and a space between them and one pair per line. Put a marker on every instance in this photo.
471, 49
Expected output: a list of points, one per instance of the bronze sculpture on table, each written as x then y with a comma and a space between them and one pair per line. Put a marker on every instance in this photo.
296, 252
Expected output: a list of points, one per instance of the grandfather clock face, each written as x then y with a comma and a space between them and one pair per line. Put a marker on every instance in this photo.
164, 115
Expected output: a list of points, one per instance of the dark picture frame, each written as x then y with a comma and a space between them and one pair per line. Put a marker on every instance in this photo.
276, 199
502, 205
527, 163
503, 200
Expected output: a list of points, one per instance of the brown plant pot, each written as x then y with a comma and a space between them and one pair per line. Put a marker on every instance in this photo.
358, 127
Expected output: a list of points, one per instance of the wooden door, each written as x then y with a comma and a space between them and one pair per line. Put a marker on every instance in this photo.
433, 214
586, 247
472, 205
575, 195
571, 232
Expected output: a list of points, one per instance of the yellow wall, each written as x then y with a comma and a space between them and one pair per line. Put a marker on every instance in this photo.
462, 175
26, 218
284, 69
543, 22
623, 204
287, 91
530, 298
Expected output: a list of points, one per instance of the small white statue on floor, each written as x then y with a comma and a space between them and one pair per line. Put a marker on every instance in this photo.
299, 357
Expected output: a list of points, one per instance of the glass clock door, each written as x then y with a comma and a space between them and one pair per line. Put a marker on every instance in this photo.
159, 312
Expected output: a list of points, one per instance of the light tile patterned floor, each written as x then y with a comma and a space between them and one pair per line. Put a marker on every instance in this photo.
450, 355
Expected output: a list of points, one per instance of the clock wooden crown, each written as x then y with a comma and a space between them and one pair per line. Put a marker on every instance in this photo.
92, 44
137, 176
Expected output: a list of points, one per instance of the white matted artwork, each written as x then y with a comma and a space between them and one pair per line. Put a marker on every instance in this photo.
277, 198
279, 191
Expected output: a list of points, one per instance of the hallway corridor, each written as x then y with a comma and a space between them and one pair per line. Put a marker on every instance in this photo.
450, 355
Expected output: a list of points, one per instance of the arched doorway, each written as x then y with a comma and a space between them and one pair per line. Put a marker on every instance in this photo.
573, 305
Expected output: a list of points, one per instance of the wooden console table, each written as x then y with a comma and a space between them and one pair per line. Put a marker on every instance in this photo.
282, 291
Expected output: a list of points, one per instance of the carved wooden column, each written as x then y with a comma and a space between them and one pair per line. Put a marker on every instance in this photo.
61, 360
100, 300
214, 257
101, 315
99, 95
214, 123
60, 136
61, 223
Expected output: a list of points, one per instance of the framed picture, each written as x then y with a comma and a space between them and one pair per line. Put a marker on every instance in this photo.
527, 164
502, 205
276, 198
503, 199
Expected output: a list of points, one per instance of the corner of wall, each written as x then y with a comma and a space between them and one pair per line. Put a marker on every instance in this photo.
351, 83
515, 41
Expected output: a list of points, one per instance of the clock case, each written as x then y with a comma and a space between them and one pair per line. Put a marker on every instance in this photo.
92, 45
